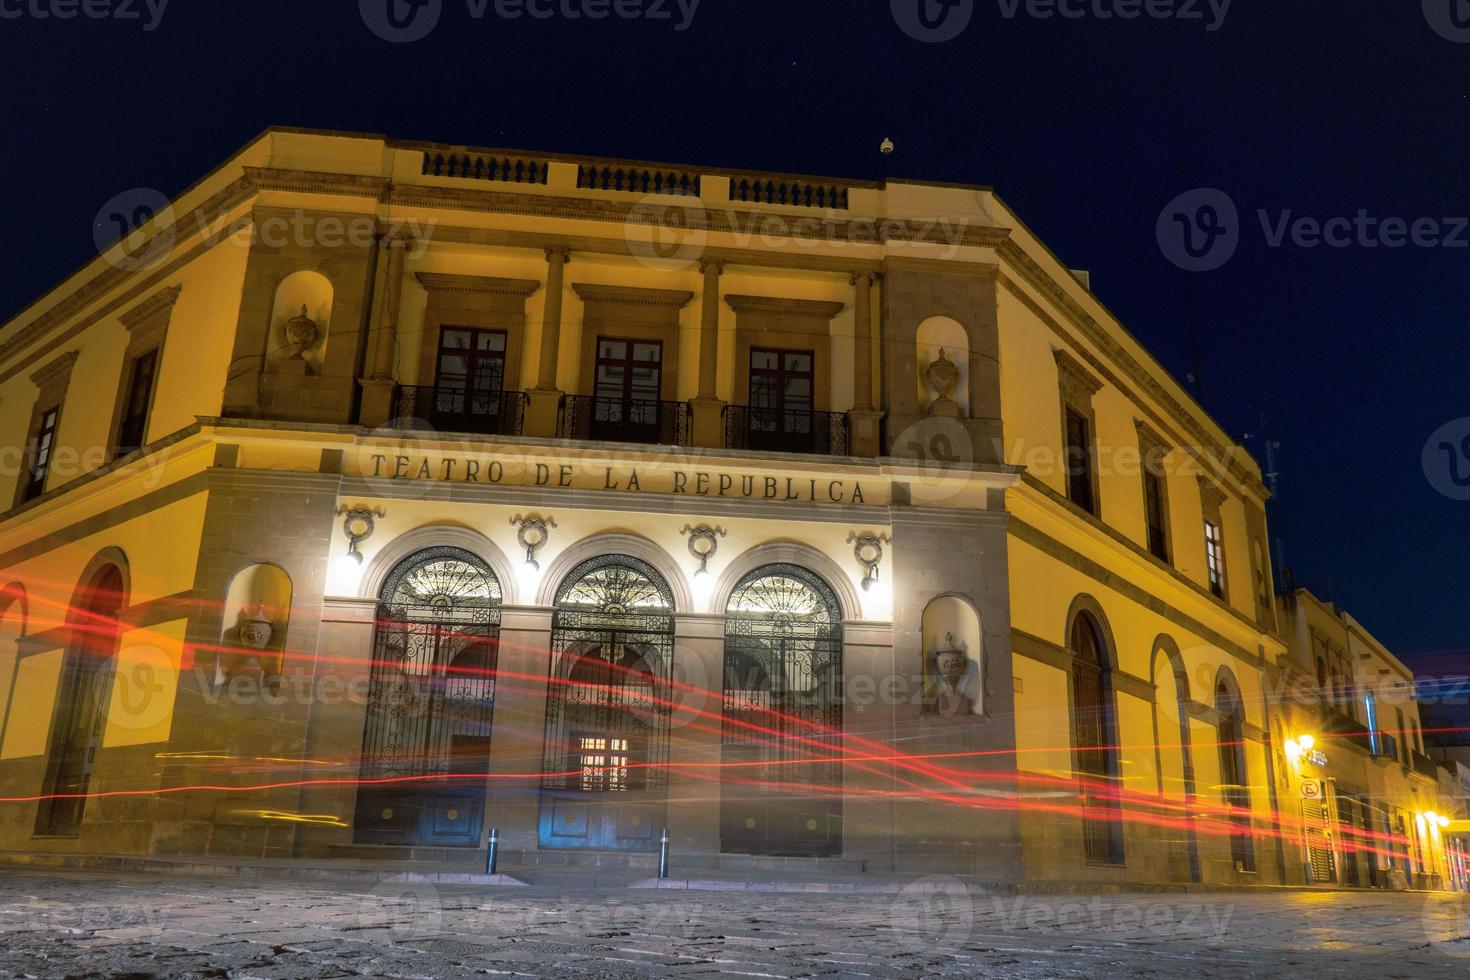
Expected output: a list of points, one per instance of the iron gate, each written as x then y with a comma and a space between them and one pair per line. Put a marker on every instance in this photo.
426, 739
781, 786
605, 768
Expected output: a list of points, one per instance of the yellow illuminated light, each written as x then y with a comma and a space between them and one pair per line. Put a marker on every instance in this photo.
1306, 742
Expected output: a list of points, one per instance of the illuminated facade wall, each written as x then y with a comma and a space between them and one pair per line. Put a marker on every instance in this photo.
809, 519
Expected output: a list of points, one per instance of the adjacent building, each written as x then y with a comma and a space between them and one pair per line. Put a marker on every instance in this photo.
375, 493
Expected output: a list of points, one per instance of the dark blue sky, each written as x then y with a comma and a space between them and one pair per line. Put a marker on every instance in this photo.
1086, 127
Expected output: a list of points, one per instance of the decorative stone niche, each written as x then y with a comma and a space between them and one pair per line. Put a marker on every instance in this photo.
954, 658
943, 360
257, 613
300, 324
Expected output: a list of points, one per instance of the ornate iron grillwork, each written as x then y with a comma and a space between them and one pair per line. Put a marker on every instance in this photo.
491, 413
782, 732
588, 417
432, 692
607, 709
786, 430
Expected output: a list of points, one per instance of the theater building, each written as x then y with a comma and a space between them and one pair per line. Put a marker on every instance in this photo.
374, 494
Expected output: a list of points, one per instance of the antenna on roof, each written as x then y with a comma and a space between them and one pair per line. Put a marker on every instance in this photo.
1191, 324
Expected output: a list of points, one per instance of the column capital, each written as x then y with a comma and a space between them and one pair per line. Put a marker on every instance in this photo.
394, 238
555, 253
864, 275
712, 265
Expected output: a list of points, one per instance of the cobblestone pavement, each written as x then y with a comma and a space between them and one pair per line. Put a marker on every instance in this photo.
71, 924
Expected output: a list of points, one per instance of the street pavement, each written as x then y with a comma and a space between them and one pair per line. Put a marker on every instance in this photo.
89, 924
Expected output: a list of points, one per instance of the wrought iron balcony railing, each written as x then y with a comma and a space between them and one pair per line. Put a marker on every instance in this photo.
488, 413
786, 431
1423, 765
653, 423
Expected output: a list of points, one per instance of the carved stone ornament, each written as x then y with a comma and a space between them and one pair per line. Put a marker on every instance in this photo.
943, 375
956, 687
255, 631
358, 525
301, 333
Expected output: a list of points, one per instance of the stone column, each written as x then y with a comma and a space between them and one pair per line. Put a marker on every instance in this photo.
863, 419
545, 399
709, 420
378, 387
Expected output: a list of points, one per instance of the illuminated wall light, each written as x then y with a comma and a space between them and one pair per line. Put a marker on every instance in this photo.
868, 550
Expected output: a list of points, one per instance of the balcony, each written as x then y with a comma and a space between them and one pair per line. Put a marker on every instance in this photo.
1388, 747
649, 422
1423, 765
487, 413
786, 431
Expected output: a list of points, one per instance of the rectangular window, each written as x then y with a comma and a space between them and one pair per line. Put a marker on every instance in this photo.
1215, 558
41, 451
1079, 461
1155, 515
133, 429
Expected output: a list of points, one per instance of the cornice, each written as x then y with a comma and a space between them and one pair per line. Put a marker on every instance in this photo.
1073, 372
780, 306
317, 182
631, 295
442, 283
56, 373
160, 302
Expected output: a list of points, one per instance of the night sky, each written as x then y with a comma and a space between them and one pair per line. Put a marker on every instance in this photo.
1086, 127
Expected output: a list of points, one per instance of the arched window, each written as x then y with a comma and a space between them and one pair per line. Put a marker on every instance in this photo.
781, 791
608, 707
431, 701
1233, 782
1094, 730
81, 705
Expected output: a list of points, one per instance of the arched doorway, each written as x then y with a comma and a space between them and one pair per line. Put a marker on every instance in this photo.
606, 749
781, 786
80, 715
1231, 738
1094, 721
431, 700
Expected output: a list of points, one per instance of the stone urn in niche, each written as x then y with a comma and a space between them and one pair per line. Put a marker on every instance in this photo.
943, 375
301, 333
953, 692
255, 631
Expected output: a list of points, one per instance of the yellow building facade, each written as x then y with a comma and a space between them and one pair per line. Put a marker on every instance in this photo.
375, 494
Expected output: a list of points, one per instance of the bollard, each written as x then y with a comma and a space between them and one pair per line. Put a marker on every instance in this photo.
663, 855
494, 856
